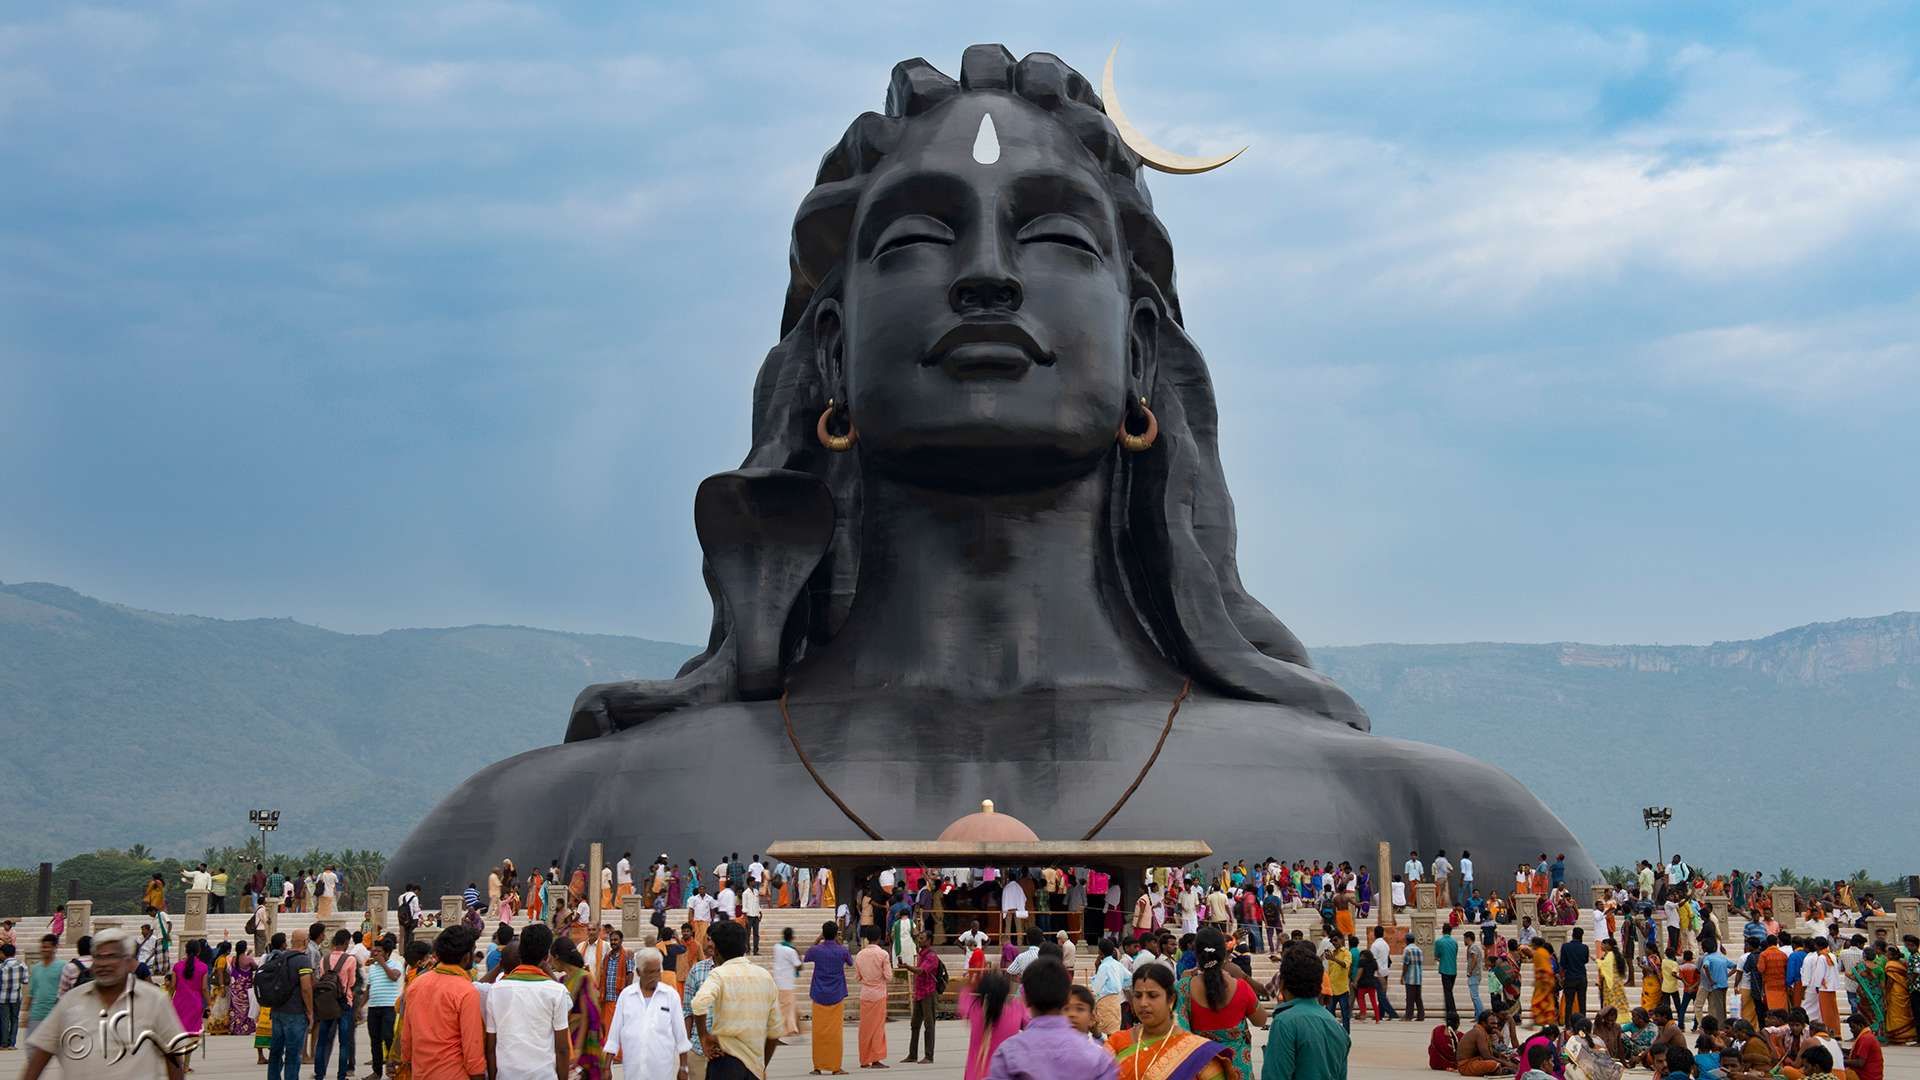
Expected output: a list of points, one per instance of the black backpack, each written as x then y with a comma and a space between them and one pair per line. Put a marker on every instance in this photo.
84, 972
406, 911
277, 981
328, 994
939, 976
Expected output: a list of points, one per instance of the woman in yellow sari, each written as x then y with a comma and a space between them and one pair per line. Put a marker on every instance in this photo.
827, 899
1545, 1007
1650, 980
1613, 977
1898, 998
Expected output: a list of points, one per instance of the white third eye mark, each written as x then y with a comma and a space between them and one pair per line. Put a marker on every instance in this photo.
986, 145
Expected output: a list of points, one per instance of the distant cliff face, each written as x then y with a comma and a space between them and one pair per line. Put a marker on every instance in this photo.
1818, 653
1798, 749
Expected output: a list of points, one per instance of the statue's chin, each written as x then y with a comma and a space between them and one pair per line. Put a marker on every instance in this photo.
996, 461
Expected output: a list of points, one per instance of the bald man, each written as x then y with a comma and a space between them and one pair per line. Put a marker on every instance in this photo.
648, 1034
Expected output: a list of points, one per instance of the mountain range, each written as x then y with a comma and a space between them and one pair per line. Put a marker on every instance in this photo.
127, 726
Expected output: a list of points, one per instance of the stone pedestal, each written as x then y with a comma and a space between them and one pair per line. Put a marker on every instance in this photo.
1888, 923
79, 921
1425, 924
630, 920
1426, 895
272, 904
556, 902
1717, 907
596, 860
1383, 887
1526, 905
452, 907
1784, 899
1906, 917
1600, 893
377, 908
1557, 936
196, 920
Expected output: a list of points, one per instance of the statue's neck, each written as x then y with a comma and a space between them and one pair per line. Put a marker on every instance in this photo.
984, 595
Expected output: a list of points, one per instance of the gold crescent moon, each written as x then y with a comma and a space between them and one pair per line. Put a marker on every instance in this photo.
1154, 157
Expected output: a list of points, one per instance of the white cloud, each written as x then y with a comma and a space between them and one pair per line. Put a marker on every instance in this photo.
1866, 360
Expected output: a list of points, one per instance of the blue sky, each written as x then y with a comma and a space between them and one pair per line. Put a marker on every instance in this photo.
1531, 322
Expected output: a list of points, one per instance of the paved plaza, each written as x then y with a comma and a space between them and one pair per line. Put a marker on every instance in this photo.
1390, 1049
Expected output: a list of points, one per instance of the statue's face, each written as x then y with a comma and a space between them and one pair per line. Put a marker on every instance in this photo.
988, 335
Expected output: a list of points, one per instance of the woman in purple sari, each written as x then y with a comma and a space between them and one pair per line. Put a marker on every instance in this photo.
239, 985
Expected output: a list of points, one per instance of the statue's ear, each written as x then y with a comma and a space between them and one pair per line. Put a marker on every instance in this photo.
1143, 344
829, 337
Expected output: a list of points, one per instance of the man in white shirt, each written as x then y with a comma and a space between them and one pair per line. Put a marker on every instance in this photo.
1466, 874
973, 938
727, 903
1013, 908
623, 874
1027, 956
1415, 870
526, 1016
700, 906
756, 873
1383, 961
1442, 880
786, 979
750, 911
720, 873
1820, 974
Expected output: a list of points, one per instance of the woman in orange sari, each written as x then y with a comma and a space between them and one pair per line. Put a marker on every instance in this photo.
1156, 1048
1545, 1007
1898, 998
536, 896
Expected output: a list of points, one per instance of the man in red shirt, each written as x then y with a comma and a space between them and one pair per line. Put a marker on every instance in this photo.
442, 1032
1865, 1058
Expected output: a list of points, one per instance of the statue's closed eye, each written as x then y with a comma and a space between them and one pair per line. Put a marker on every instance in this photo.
912, 229
1058, 229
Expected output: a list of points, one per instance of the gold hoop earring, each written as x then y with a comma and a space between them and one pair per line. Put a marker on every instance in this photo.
1136, 443
839, 444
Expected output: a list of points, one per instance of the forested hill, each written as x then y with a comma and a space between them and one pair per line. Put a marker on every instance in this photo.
1798, 749
126, 726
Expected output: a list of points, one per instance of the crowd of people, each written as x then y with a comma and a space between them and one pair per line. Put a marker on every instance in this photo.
1169, 992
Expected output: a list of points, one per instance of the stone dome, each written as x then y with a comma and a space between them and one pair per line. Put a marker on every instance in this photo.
989, 828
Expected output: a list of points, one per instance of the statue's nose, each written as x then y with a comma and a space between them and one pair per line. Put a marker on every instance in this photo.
985, 292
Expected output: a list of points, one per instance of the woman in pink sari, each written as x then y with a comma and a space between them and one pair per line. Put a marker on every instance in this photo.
190, 989
993, 1015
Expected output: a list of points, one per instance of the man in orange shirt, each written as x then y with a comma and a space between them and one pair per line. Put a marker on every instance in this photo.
442, 1033
1772, 965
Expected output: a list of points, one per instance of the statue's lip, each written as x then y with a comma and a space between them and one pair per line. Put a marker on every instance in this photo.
987, 349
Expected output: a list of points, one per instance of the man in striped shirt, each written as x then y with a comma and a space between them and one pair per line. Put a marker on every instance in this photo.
744, 1008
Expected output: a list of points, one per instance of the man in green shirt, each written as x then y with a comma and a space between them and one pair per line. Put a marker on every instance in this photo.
43, 984
1304, 1041
1446, 960
276, 884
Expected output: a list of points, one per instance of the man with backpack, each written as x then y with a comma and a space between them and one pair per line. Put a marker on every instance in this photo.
409, 914
283, 982
332, 1012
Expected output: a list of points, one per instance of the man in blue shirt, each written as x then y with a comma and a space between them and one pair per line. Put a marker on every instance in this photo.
1715, 970
1558, 874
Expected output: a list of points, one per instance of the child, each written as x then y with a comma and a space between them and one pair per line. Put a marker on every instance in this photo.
1079, 1013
